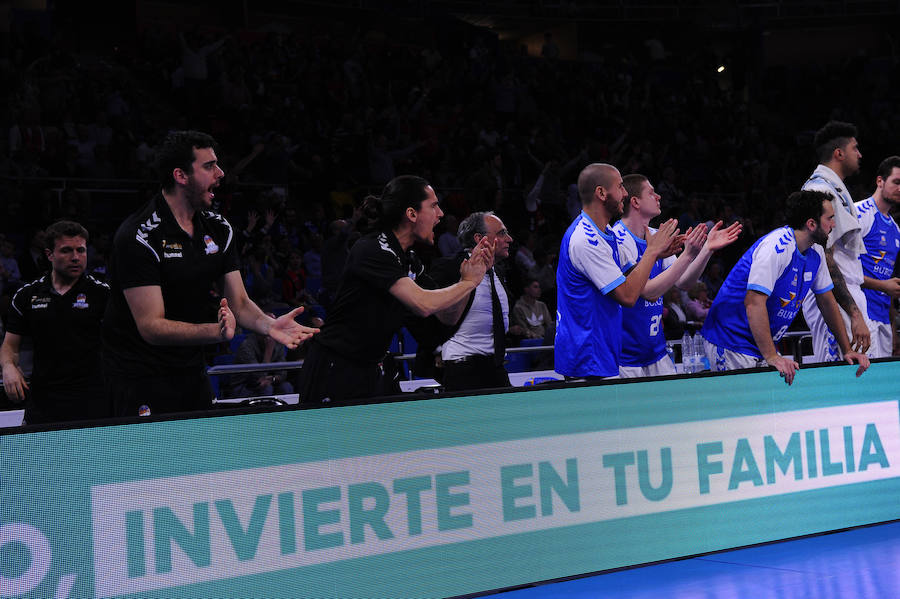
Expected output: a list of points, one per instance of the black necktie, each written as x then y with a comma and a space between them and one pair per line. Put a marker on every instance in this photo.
499, 329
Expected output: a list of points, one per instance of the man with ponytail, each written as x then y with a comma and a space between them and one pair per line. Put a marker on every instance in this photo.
378, 290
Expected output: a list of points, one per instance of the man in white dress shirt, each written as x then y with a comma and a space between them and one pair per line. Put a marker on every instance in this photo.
473, 356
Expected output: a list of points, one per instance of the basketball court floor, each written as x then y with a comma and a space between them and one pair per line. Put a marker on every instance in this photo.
860, 563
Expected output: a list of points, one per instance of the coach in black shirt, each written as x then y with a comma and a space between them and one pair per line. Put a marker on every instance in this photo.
61, 312
165, 260
378, 291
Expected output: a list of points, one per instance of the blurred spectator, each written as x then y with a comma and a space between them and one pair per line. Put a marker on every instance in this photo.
259, 276
530, 316
698, 305
674, 315
260, 349
294, 280
713, 278
545, 273
34, 262
448, 244
312, 264
10, 276
525, 261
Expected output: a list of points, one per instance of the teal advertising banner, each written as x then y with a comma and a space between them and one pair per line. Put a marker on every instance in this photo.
446, 496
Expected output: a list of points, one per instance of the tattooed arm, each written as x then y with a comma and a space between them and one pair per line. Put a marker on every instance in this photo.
859, 332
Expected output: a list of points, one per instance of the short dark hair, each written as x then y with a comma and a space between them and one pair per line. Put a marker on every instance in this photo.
177, 151
63, 228
804, 205
633, 184
388, 209
834, 135
592, 176
887, 165
469, 227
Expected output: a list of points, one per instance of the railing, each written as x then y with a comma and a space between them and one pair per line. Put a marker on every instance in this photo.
795, 338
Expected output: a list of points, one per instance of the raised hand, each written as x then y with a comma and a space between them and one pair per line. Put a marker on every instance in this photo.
719, 237
288, 332
659, 242
252, 219
226, 320
695, 239
479, 261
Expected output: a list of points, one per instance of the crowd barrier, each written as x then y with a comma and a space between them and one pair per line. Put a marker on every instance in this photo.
446, 496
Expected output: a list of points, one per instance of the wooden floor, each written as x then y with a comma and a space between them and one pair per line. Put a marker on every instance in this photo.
852, 564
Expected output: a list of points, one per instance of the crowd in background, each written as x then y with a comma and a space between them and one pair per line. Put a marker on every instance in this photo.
311, 118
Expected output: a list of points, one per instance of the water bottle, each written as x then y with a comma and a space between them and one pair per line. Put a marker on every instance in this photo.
687, 353
700, 350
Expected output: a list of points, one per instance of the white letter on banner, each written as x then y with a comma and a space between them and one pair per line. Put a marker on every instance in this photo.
39, 550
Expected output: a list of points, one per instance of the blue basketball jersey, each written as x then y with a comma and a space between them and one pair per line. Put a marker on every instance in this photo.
882, 238
588, 319
643, 342
774, 267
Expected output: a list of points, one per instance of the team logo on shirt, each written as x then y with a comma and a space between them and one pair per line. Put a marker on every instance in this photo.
786, 302
883, 239
39, 302
172, 249
211, 247
881, 254
81, 302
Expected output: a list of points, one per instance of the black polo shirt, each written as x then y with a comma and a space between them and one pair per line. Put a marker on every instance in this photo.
365, 315
65, 330
150, 248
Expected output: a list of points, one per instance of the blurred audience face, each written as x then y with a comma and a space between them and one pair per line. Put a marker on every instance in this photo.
533, 290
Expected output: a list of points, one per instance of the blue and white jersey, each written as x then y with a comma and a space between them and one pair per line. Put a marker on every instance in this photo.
774, 267
643, 342
882, 238
588, 319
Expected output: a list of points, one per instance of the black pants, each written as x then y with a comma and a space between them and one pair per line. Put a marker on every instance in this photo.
474, 372
177, 392
88, 403
330, 379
